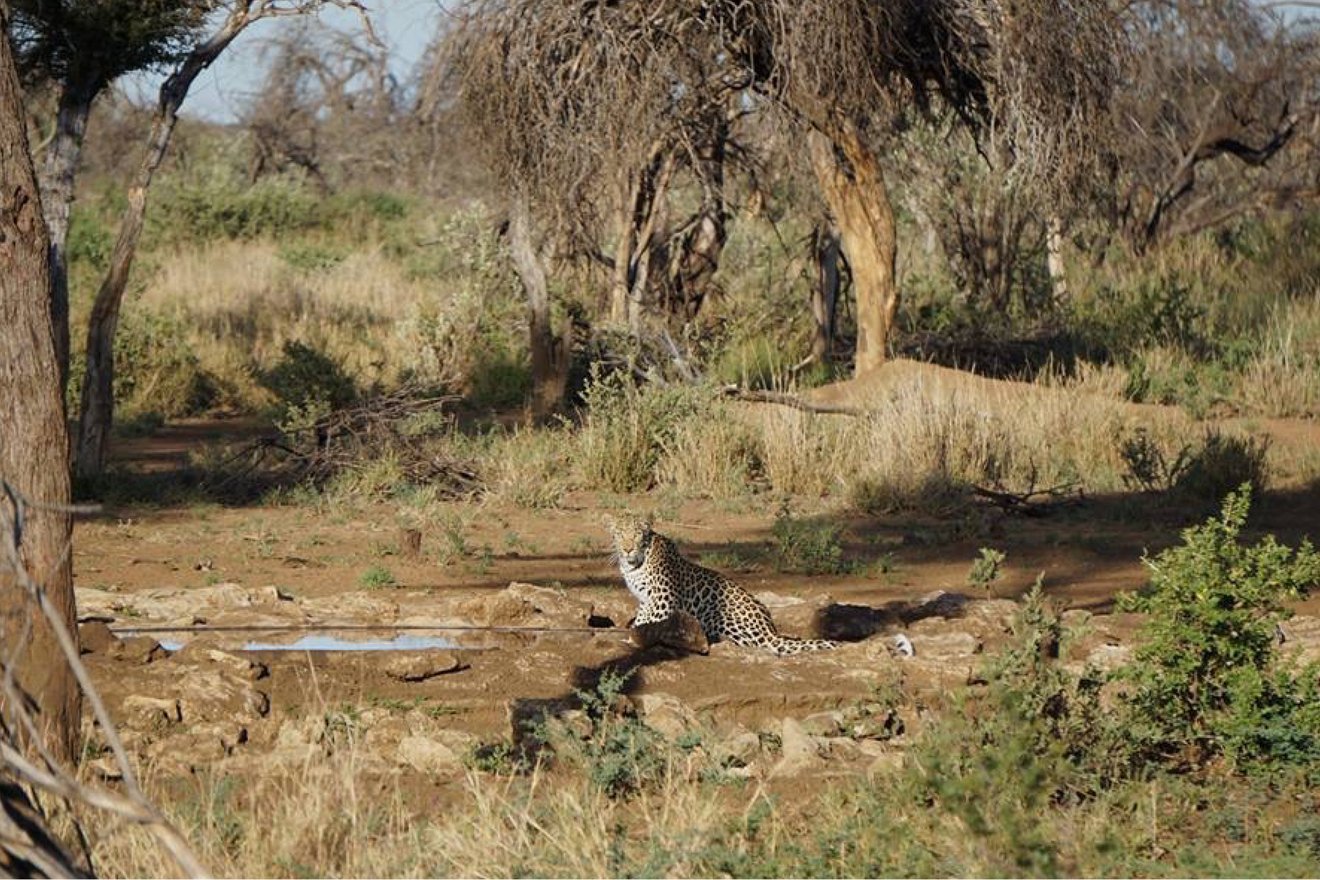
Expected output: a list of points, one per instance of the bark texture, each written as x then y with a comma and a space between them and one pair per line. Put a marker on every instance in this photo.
825, 292
58, 174
34, 438
549, 356
853, 186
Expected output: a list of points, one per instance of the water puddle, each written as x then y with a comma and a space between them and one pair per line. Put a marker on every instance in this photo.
329, 642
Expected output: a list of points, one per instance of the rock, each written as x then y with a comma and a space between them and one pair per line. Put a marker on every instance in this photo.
954, 643
212, 694
273, 593
522, 604
152, 712
682, 631
996, 615
252, 670
886, 763
424, 665
1108, 656
138, 649
795, 742
801, 751
426, 755
738, 750
823, 723
664, 713
937, 604
95, 637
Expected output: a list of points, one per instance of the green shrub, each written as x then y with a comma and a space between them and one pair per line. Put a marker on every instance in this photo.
617, 751
985, 569
1206, 681
808, 546
377, 576
307, 385
226, 208
155, 370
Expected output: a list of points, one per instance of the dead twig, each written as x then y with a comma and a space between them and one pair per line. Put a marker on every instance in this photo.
789, 400
1025, 503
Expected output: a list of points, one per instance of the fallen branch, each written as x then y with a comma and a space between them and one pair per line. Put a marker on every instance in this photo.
789, 400
1024, 502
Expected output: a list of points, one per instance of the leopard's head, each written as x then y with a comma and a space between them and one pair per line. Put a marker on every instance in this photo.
632, 539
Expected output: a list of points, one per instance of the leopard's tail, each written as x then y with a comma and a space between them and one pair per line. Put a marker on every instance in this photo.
784, 645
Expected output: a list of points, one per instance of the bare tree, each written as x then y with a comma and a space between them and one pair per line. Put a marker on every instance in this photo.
97, 410
33, 434
1217, 117
582, 104
80, 48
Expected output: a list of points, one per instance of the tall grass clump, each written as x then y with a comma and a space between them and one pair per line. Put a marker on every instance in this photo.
626, 429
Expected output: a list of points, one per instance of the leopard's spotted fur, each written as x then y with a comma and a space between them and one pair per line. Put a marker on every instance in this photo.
664, 583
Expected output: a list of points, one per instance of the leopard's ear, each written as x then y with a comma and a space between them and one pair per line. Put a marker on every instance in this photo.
647, 520
609, 523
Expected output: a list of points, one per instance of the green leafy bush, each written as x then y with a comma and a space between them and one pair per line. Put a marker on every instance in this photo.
619, 753
1206, 680
155, 370
222, 207
307, 384
809, 546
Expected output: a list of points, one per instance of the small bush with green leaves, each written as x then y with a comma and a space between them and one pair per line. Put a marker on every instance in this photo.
985, 568
1206, 680
809, 546
378, 576
307, 385
619, 752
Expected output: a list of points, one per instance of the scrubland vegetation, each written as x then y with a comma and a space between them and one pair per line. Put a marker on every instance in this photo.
1133, 354
1199, 757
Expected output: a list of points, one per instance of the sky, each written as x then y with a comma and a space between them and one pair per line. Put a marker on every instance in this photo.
405, 26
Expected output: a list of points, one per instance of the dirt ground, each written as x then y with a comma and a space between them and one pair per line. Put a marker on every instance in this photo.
545, 577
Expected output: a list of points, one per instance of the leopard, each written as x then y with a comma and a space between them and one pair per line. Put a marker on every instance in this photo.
664, 583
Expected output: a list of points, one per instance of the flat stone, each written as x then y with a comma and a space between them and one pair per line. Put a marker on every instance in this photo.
152, 712
424, 665
682, 631
823, 723
664, 713
95, 637
801, 751
426, 755
138, 649
953, 643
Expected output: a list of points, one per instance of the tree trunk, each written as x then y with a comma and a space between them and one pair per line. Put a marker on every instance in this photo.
57, 180
853, 187
549, 360
695, 253
34, 438
97, 413
825, 292
641, 223
1054, 260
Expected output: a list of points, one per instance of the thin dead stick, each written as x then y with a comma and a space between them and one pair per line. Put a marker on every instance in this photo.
790, 400
134, 806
